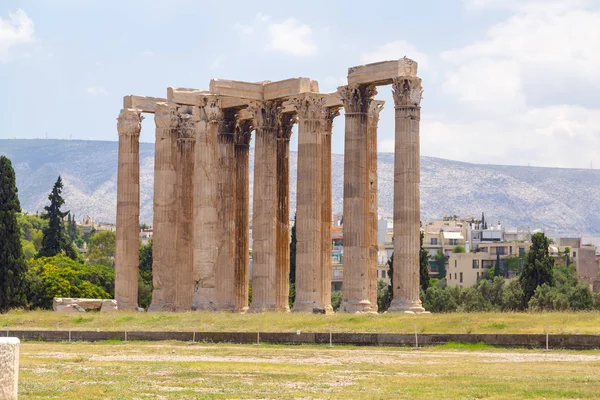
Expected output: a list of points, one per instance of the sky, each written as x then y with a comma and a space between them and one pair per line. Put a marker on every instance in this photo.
505, 81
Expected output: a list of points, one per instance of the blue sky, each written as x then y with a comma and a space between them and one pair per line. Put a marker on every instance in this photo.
506, 81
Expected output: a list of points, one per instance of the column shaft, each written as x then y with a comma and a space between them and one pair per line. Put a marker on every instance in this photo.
407, 97
165, 210
264, 221
128, 210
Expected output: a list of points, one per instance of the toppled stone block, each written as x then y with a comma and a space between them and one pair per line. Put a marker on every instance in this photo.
65, 304
9, 368
382, 73
109, 306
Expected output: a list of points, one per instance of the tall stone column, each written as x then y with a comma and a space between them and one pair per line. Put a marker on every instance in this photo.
372, 228
311, 120
164, 249
407, 93
206, 231
283, 213
355, 290
225, 268
242, 214
267, 116
127, 248
184, 268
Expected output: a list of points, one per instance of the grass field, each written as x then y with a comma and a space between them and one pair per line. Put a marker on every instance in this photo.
175, 370
559, 322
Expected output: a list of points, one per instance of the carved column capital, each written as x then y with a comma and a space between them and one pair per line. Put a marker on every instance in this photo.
374, 110
165, 116
407, 91
129, 122
330, 115
243, 132
212, 109
357, 98
267, 114
285, 126
309, 106
228, 122
186, 126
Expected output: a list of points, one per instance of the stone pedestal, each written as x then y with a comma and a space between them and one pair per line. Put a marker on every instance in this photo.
164, 247
282, 275
242, 214
407, 93
355, 291
225, 268
206, 232
184, 267
311, 120
9, 368
371, 227
127, 247
267, 116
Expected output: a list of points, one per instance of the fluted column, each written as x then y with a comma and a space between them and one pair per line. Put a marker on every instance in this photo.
372, 231
242, 214
165, 210
127, 248
267, 116
225, 268
184, 268
326, 212
283, 213
205, 205
355, 290
311, 120
407, 93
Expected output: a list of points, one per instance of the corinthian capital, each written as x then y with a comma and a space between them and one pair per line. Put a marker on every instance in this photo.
186, 126
267, 114
243, 132
407, 91
330, 115
285, 126
309, 106
212, 109
357, 98
129, 122
374, 110
165, 116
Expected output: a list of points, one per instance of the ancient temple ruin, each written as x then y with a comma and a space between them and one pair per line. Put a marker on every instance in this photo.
201, 193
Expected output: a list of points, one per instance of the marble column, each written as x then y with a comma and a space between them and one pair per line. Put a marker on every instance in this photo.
225, 268
407, 92
127, 245
311, 120
185, 154
372, 228
282, 275
267, 116
355, 290
242, 214
206, 230
9, 368
165, 209
326, 212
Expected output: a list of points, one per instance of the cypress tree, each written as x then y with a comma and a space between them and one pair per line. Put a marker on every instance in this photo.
424, 265
12, 260
293, 242
538, 266
55, 239
497, 269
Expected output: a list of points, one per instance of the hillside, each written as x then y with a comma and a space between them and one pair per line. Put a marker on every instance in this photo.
555, 199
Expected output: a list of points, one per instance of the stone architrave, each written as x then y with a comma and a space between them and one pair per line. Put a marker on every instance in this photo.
225, 268
355, 293
129, 125
206, 230
326, 212
187, 119
372, 228
9, 368
267, 116
407, 93
283, 212
164, 254
242, 213
311, 126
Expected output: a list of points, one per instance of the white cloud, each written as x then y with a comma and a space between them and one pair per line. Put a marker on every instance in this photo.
526, 5
17, 29
147, 53
96, 91
393, 51
292, 37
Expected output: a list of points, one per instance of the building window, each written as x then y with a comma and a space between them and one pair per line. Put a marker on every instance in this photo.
453, 242
476, 265
510, 250
455, 263
487, 263
521, 251
433, 241
336, 273
455, 275
501, 250
461, 278
383, 274
377, 273
477, 274
574, 255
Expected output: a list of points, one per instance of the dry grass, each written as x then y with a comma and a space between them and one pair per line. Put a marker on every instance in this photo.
172, 370
559, 322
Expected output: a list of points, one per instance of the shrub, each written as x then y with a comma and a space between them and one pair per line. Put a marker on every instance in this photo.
548, 298
581, 298
384, 297
471, 300
492, 291
336, 300
513, 296
439, 300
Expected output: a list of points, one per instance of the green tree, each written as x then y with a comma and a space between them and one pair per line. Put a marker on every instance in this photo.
145, 278
101, 249
440, 261
497, 267
384, 297
424, 265
56, 240
458, 249
293, 243
12, 261
336, 300
538, 268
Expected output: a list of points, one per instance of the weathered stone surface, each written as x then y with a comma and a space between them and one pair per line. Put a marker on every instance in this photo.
142, 103
187, 96
381, 73
288, 88
244, 90
68, 304
109, 306
9, 368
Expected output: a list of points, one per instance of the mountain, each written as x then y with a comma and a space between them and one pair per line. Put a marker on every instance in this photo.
556, 199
